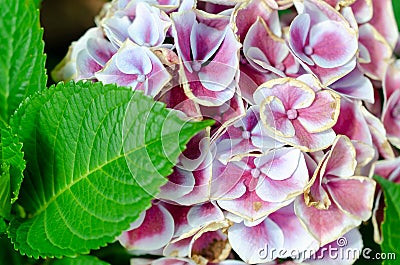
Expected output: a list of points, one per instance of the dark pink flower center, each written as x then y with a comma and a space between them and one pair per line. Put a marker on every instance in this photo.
246, 135
141, 78
196, 66
291, 114
308, 50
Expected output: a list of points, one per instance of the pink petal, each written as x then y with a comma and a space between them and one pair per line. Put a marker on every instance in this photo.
364, 154
294, 183
100, 50
341, 160
388, 169
158, 77
179, 213
180, 183
201, 189
111, 74
226, 114
322, 114
211, 245
180, 248
176, 99
355, 85
250, 206
293, 93
132, 59
227, 176
278, 164
378, 49
199, 215
248, 13
328, 76
299, 30
391, 118
144, 28
333, 44
384, 21
257, 238
115, 29
351, 122
310, 142
182, 24
226, 61
86, 66
155, 231
297, 238
391, 82
196, 91
325, 225
354, 196
205, 41
378, 134
351, 242
274, 117
272, 47
362, 10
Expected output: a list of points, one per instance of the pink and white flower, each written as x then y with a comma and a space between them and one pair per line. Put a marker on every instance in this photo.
335, 201
137, 67
201, 64
298, 113
137, 21
323, 41
258, 185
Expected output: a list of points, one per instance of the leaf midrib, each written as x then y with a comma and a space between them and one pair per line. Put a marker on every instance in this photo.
100, 167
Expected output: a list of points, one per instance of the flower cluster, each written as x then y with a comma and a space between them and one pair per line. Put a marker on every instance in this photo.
294, 87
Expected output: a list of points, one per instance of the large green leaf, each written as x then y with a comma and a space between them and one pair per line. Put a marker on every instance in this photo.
96, 156
80, 260
391, 224
22, 70
12, 168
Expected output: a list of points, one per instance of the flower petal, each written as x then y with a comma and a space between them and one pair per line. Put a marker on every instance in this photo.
379, 50
257, 238
322, 114
297, 238
274, 117
299, 30
325, 225
354, 196
333, 44
272, 190
132, 59
155, 231
200, 215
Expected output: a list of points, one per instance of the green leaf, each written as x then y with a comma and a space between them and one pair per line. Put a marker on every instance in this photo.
12, 168
22, 62
391, 224
396, 10
3, 226
97, 157
80, 260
